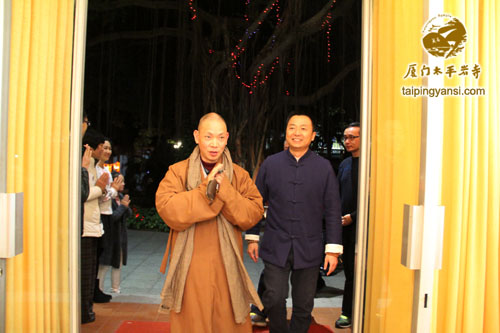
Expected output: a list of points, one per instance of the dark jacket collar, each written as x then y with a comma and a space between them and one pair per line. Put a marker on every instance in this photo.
302, 158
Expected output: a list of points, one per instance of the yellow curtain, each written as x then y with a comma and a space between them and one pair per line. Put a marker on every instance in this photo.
38, 150
394, 163
467, 290
468, 298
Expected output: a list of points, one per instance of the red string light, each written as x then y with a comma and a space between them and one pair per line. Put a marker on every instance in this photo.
278, 8
327, 23
261, 76
256, 82
192, 9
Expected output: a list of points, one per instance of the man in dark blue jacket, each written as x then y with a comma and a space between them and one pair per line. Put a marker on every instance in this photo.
301, 190
348, 181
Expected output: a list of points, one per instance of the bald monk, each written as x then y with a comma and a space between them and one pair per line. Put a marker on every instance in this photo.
207, 201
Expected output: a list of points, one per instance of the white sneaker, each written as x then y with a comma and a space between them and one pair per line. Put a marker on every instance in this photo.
115, 290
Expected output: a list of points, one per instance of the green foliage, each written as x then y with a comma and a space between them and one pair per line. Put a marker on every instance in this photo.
146, 219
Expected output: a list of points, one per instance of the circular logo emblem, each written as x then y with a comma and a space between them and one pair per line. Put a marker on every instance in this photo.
444, 36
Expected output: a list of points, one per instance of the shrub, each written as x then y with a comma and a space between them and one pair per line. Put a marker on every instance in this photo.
146, 219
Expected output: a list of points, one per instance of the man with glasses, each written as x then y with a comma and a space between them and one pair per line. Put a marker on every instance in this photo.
348, 184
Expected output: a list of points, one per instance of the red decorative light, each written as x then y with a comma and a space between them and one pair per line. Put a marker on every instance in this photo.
262, 75
192, 9
327, 23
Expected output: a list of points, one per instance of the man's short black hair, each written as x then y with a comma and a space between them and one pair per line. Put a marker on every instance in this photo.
93, 138
353, 124
300, 113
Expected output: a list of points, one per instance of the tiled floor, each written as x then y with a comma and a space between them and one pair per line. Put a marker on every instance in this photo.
110, 316
142, 284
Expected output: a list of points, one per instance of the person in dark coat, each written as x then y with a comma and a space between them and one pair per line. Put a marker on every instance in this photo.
348, 182
84, 183
114, 254
301, 190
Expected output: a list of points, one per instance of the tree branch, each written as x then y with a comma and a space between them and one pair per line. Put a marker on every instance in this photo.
215, 22
145, 34
326, 89
100, 5
309, 27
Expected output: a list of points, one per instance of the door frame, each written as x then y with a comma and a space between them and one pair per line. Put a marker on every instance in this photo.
5, 31
364, 166
76, 114
79, 41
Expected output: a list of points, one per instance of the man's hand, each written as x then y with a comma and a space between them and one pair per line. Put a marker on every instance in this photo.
217, 173
346, 220
331, 260
102, 182
86, 157
253, 250
117, 182
125, 200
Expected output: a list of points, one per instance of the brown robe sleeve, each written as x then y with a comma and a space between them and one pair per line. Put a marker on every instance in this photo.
180, 208
242, 200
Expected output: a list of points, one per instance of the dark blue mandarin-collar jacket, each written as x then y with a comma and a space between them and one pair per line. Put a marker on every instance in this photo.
300, 195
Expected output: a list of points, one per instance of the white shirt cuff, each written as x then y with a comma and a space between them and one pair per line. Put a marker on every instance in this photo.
334, 248
251, 237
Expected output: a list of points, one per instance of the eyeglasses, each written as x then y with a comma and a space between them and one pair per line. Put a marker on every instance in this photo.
87, 122
349, 137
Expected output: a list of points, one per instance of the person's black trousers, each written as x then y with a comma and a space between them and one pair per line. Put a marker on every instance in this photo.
303, 283
260, 292
88, 252
349, 243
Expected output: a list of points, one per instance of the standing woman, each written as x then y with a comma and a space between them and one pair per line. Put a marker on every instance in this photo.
106, 212
115, 253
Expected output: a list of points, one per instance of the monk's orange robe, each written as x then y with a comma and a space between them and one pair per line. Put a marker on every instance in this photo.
206, 305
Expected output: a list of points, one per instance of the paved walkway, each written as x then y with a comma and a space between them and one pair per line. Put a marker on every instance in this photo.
142, 282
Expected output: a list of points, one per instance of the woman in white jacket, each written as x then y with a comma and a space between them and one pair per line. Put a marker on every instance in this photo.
106, 212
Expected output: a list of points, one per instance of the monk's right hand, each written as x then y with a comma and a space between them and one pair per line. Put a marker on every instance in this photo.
253, 250
215, 171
